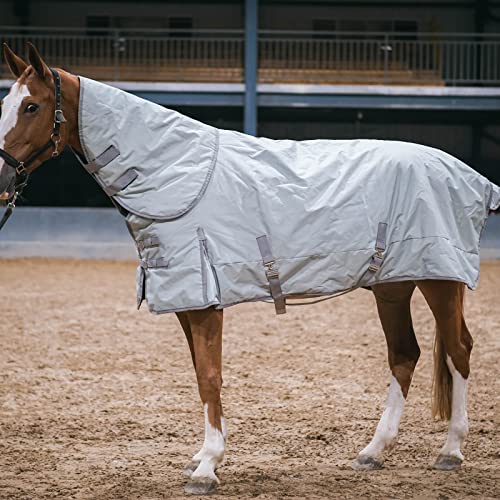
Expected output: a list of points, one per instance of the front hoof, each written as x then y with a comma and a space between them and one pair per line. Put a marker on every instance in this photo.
190, 468
366, 463
202, 486
447, 462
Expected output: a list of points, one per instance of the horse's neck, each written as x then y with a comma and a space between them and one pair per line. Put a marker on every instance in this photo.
71, 98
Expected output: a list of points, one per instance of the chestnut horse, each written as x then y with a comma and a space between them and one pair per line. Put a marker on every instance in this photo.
27, 122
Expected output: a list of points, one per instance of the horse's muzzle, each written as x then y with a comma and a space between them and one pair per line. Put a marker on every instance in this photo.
7, 181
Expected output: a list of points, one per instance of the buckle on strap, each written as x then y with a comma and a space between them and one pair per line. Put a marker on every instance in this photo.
153, 263
21, 169
59, 116
151, 242
380, 246
272, 274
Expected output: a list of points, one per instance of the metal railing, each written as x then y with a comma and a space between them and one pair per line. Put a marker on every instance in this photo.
284, 56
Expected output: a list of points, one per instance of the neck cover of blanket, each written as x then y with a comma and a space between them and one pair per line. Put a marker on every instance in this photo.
220, 217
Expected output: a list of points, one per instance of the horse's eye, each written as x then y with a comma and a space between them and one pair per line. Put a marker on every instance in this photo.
31, 108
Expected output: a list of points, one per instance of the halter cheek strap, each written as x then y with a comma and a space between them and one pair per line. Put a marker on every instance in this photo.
21, 167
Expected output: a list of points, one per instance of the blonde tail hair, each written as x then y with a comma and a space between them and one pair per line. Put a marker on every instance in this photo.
441, 383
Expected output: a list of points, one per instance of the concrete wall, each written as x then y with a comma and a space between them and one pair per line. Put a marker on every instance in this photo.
8, 16
100, 233
300, 17
74, 14
83, 233
212, 15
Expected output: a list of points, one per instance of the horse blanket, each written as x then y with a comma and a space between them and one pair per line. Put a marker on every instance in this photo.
220, 217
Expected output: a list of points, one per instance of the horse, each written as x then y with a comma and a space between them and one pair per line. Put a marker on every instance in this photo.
38, 120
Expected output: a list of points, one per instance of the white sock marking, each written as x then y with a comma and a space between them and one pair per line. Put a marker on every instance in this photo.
10, 108
387, 428
458, 427
212, 451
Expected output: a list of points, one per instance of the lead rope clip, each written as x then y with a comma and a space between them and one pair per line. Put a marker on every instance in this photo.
12, 202
56, 139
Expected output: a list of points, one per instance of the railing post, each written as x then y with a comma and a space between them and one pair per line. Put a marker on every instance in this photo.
251, 51
386, 58
118, 48
116, 55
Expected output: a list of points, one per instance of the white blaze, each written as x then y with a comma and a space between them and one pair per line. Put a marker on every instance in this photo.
10, 110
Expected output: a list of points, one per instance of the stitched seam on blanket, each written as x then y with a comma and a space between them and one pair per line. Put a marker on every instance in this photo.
427, 237
321, 255
208, 176
193, 203
80, 122
203, 273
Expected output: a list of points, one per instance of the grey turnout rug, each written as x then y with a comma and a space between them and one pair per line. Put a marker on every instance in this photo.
220, 217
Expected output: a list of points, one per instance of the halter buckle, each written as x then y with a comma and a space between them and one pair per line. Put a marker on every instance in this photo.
59, 116
21, 169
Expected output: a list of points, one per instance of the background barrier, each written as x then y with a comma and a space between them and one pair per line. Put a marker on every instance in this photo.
326, 57
100, 233
81, 233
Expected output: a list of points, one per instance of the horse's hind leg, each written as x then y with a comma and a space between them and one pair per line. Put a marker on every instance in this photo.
203, 330
183, 318
393, 304
453, 346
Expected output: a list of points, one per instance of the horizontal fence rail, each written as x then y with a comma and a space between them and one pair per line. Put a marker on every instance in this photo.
284, 56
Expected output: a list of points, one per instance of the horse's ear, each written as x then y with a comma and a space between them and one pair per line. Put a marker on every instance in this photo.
37, 62
14, 62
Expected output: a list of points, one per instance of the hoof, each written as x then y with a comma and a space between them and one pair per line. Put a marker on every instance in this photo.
205, 486
367, 463
447, 462
190, 468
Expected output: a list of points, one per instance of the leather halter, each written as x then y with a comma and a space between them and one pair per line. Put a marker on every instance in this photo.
21, 167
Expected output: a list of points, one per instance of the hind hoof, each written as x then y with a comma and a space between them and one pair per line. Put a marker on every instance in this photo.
367, 463
205, 486
447, 462
190, 468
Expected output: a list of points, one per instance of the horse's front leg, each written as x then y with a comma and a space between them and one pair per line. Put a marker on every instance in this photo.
204, 333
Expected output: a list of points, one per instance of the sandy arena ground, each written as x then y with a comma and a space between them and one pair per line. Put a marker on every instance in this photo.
99, 401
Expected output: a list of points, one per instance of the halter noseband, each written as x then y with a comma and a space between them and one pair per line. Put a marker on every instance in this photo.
21, 167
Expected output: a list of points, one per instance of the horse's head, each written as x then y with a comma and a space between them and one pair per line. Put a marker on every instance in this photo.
27, 118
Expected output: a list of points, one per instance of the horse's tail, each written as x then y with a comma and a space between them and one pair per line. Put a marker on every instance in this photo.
442, 382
